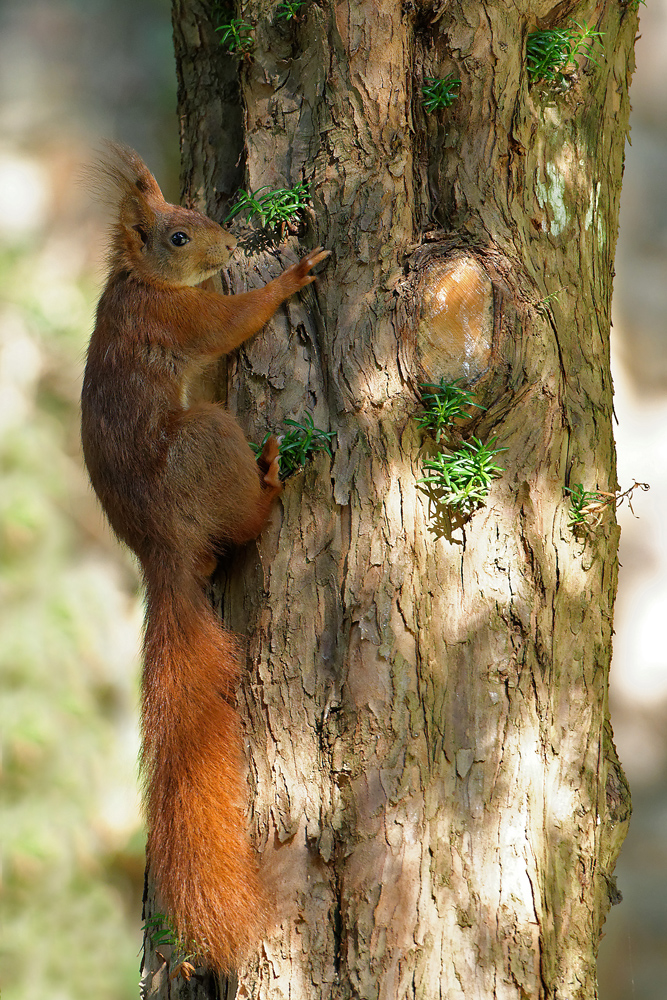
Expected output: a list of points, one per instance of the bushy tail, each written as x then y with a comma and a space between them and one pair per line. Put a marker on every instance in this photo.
193, 767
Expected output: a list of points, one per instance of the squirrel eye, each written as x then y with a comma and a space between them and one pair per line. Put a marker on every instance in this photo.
179, 239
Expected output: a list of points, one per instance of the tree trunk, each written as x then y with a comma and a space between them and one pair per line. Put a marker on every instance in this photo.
435, 792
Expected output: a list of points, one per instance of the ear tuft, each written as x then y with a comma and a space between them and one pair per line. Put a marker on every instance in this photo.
119, 174
122, 181
142, 185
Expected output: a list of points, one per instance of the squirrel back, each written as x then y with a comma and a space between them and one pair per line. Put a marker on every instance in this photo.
178, 483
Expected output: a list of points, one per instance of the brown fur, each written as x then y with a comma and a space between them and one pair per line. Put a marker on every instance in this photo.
177, 482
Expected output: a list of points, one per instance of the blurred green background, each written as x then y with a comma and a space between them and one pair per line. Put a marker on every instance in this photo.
72, 72
70, 615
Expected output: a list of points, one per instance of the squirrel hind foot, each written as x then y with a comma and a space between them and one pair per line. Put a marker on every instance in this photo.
269, 464
272, 476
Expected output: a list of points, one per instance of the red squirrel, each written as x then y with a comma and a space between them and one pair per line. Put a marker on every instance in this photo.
178, 481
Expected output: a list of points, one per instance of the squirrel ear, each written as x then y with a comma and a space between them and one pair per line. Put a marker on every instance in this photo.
136, 213
142, 234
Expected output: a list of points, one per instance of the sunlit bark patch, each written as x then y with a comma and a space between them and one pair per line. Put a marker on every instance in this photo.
455, 331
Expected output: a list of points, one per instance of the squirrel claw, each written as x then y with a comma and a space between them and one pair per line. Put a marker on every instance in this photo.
317, 255
299, 272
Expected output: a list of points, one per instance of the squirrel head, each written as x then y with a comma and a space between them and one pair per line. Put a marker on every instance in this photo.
157, 242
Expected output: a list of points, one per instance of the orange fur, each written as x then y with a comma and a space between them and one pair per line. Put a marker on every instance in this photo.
178, 482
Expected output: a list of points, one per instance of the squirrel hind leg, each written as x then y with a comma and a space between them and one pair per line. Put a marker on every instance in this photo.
236, 489
255, 509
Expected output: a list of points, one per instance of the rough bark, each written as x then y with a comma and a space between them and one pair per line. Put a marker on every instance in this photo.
435, 792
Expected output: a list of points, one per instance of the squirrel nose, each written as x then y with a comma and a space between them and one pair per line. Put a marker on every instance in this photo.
226, 239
